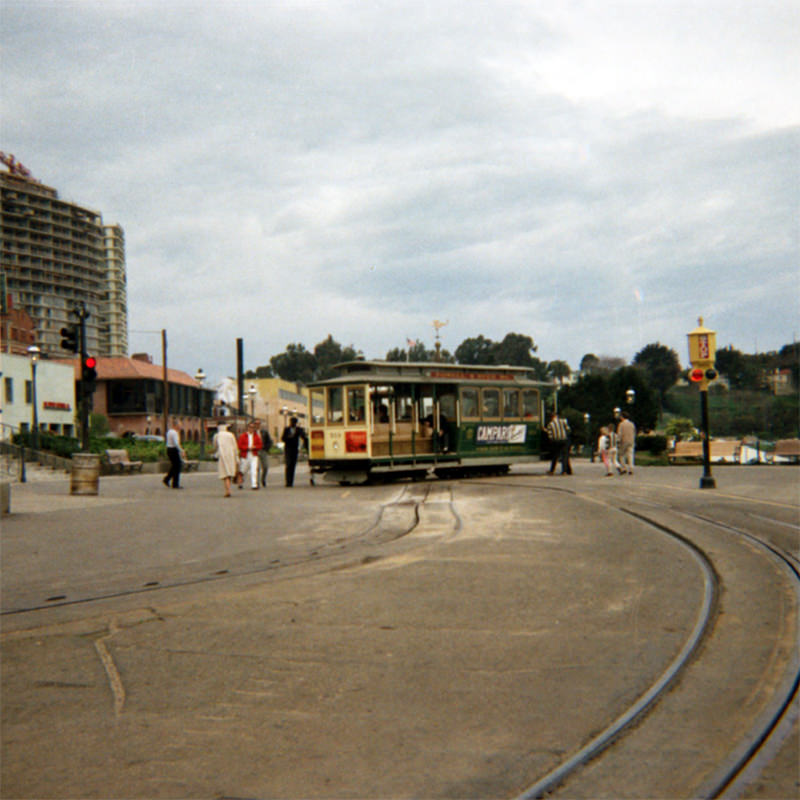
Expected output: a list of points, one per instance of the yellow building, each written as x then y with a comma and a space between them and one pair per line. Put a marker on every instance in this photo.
274, 401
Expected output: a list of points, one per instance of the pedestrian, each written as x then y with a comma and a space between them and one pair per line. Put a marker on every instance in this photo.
604, 447
263, 456
613, 439
174, 454
226, 451
291, 438
558, 432
626, 434
249, 447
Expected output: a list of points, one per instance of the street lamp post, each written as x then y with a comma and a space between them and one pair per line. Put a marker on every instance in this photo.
200, 376
587, 418
630, 396
34, 353
252, 391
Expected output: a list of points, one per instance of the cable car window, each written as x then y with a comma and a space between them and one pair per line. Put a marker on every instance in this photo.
335, 403
447, 405
317, 407
510, 403
355, 403
491, 403
469, 403
530, 404
404, 409
381, 402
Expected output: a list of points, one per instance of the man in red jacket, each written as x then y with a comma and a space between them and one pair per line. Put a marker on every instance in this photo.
249, 445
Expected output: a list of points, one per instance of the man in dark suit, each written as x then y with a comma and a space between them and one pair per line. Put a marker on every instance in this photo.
291, 445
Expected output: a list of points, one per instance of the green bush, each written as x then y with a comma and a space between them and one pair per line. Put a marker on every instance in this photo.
651, 443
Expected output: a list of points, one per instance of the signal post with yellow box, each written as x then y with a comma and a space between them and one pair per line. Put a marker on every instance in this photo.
702, 354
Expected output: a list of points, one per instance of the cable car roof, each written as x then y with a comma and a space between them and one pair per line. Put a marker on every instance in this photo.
430, 372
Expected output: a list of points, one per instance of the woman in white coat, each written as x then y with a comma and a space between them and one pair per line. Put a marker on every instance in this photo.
226, 451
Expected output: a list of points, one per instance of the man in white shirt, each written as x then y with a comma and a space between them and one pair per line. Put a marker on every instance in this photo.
174, 455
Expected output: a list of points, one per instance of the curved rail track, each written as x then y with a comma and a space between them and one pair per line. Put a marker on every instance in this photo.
407, 512
394, 520
748, 758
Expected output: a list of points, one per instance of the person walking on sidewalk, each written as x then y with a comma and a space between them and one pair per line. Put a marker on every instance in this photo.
263, 456
558, 433
174, 454
626, 433
226, 451
249, 446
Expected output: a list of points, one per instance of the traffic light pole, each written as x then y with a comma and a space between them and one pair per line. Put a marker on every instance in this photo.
82, 314
707, 481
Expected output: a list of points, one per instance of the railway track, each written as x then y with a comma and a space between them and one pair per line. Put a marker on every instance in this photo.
429, 514
774, 724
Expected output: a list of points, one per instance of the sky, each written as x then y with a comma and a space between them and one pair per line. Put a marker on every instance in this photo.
595, 175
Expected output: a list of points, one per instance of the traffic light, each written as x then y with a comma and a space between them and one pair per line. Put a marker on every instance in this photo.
89, 371
711, 374
696, 375
70, 340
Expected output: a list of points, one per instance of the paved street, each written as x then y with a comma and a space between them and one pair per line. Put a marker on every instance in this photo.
443, 639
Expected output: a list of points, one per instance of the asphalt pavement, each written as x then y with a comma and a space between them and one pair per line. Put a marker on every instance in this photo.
442, 639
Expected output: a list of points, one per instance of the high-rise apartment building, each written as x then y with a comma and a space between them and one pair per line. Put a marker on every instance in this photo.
113, 322
57, 255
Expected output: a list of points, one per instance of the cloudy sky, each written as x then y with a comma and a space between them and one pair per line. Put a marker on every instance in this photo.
592, 174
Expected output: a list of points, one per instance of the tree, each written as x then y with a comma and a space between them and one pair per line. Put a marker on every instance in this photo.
476, 350
645, 409
559, 370
599, 393
737, 368
396, 354
516, 350
661, 365
589, 363
329, 353
295, 364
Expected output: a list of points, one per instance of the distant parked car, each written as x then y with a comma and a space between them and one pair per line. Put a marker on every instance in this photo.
147, 437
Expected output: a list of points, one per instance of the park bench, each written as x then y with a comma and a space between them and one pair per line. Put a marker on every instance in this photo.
719, 451
120, 461
188, 466
788, 449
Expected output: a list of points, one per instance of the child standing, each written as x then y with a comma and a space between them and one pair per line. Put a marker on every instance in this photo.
604, 447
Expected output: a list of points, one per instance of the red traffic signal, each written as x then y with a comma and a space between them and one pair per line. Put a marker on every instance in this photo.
89, 371
696, 375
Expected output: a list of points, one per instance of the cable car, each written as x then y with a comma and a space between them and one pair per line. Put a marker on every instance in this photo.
387, 419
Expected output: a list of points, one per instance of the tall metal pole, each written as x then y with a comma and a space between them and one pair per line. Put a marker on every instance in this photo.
83, 390
165, 381
707, 481
35, 438
240, 374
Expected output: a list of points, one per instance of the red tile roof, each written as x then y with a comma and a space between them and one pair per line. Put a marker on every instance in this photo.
118, 367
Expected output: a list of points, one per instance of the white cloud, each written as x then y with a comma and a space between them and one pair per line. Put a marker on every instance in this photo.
285, 171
